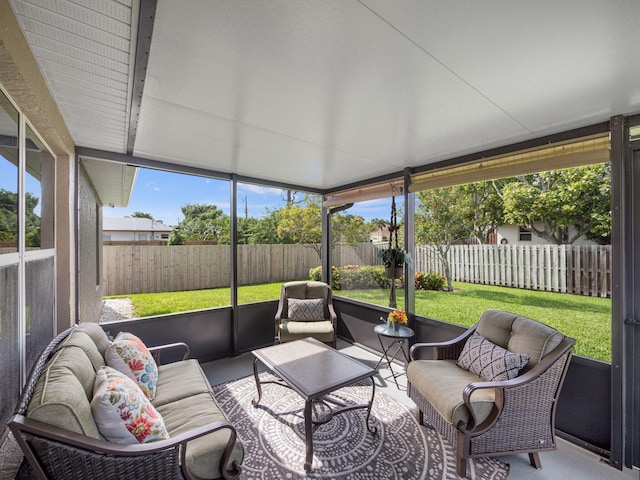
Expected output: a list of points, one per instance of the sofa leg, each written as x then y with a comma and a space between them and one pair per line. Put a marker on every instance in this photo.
461, 466
534, 458
420, 417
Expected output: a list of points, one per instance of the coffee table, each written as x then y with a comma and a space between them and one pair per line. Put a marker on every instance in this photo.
314, 370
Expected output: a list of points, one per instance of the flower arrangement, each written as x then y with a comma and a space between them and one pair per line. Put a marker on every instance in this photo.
398, 316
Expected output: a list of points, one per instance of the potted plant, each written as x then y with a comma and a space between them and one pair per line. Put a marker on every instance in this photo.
394, 257
393, 260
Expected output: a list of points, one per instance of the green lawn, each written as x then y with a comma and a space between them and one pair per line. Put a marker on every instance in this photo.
587, 319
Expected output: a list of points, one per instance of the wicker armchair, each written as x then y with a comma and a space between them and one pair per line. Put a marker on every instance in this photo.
305, 320
489, 418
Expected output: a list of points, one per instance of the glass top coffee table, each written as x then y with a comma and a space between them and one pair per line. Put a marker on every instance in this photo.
314, 370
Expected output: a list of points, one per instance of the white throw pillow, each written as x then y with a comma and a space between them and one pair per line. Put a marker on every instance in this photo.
122, 412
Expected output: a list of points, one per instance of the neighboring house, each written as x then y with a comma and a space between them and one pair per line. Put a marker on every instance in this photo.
380, 234
134, 229
515, 234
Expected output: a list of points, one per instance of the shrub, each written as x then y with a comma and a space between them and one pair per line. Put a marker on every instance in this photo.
430, 281
354, 277
363, 278
315, 274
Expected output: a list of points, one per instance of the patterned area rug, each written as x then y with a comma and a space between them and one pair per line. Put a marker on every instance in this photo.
273, 437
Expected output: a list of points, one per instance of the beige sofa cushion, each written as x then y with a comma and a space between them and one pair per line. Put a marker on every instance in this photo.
179, 380
62, 394
441, 383
203, 454
321, 330
96, 333
519, 334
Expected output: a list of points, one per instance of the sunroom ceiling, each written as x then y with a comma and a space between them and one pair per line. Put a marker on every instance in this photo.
322, 94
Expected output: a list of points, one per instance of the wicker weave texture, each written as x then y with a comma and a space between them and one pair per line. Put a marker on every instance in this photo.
526, 421
432, 417
525, 424
63, 462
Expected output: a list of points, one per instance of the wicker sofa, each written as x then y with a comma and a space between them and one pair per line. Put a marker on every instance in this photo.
482, 416
55, 427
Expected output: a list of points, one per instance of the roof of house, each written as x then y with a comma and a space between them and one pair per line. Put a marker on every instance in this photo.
130, 224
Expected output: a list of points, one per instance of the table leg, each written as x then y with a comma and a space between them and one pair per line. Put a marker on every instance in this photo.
258, 387
373, 393
308, 430
385, 357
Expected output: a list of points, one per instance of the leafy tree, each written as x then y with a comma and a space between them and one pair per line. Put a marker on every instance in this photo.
549, 203
201, 222
349, 229
439, 221
246, 228
302, 225
141, 215
9, 218
483, 209
266, 229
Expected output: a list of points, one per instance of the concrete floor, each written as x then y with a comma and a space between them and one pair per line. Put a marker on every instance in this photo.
568, 462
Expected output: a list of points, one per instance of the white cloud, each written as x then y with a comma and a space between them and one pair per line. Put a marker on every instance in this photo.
259, 189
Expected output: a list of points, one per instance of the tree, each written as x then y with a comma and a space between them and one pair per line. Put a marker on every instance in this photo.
439, 221
201, 222
266, 229
349, 229
141, 215
302, 225
246, 228
483, 210
9, 218
549, 203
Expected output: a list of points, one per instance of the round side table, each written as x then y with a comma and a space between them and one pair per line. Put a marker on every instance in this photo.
399, 338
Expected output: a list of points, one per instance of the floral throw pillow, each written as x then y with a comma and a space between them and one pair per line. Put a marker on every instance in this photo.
129, 355
122, 412
306, 310
489, 361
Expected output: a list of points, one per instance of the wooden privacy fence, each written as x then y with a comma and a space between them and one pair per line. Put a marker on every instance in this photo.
149, 269
581, 270
575, 269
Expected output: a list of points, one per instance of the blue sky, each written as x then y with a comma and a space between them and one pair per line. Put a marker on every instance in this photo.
163, 193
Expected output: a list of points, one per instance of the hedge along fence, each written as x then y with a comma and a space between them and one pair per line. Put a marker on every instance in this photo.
582, 270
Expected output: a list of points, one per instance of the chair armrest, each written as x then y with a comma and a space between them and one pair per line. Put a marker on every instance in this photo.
449, 350
157, 350
279, 312
22, 427
333, 316
523, 382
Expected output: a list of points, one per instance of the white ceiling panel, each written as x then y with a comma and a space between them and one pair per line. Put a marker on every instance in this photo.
299, 74
326, 93
83, 49
547, 64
